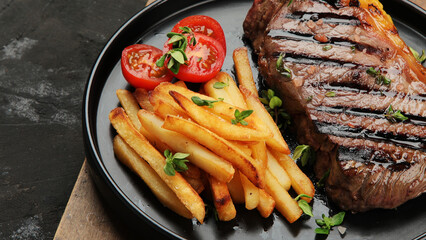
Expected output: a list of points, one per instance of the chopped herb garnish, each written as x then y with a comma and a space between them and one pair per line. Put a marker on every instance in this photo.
308, 99
240, 116
324, 177
353, 48
202, 102
273, 105
305, 153
176, 55
380, 78
330, 94
394, 116
304, 205
327, 47
289, 3
420, 58
281, 68
176, 162
220, 85
326, 223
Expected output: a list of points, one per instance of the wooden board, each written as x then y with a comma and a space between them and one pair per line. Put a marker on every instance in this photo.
85, 216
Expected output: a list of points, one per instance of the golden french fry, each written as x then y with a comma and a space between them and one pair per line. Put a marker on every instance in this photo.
266, 204
243, 69
199, 155
180, 84
230, 93
278, 172
163, 109
130, 105
285, 204
259, 154
236, 188
196, 183
222, 200
131, 159
183, 190
194, 177
299, 181
218, 145
276, 142
142, 97
251, 193
217, 124
243, 147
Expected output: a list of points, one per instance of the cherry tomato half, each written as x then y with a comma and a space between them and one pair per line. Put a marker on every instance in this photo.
205, 59
139, 69
204, 25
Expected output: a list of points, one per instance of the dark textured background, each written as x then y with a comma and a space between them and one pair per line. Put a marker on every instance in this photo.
47, 49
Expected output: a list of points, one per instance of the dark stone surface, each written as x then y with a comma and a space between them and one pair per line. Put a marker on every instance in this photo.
47, 49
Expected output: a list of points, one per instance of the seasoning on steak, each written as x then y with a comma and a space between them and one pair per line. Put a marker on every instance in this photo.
342, 55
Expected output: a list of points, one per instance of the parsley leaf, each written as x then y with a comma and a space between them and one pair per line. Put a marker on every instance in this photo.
281, 68
176, 162
330, 94
305, 153
420, 58
380, 78
221, 85
394, 116
240, 116
202, 102
326, 223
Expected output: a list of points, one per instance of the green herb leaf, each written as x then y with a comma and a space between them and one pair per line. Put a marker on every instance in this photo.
337, 219
327, 47
325, 231
330, 94
324, 177
380, 78
394, 116
308, 99
240, 116
202, 102
353, 48
275, 102
373, 72
176, 162
419, 58
299, 151
220, 85
302, 195
281, 68
306, 208
289, 3
178, 56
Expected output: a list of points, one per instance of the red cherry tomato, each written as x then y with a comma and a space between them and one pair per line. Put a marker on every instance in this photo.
205, 59
204, 25
139, 69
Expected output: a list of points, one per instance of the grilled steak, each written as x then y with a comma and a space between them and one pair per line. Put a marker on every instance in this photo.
348, 65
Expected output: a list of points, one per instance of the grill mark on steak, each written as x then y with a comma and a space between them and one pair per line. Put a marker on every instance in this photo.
384, 137
328, 17
416, 120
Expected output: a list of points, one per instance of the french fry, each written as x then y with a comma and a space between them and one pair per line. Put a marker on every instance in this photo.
199, 155
299, 181
131, 159
142, 97
230, 93
217, 145
222, 200
183, 190
181, 84
216, 124
236, 188
251, 193
129, 104
163, 109
194, 177
259, 154
243, 69
266, 204
285, 204
243, 147
278, 172
276, 142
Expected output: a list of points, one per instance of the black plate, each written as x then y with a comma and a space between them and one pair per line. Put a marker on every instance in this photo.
129, 196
